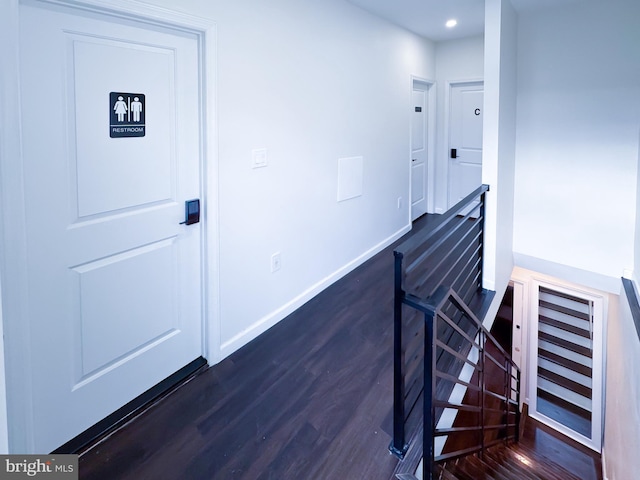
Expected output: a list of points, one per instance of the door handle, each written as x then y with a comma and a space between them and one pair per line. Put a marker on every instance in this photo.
454, 153
414, 159
191, 212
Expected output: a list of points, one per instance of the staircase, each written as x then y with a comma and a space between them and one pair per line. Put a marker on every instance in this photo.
456, 407
542, 454
504, 462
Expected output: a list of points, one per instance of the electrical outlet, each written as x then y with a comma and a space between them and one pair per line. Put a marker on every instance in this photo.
275, 262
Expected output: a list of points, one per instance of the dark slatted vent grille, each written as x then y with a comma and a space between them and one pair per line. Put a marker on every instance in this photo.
565, 359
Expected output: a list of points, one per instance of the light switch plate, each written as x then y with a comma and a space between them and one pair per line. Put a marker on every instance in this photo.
259, 157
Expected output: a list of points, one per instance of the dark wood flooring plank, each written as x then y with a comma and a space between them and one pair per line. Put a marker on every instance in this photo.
555, 447
310, 398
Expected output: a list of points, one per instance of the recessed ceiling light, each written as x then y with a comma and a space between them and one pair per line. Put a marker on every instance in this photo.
451, 23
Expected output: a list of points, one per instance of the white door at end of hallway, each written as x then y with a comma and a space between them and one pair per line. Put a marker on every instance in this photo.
419, 149
465, 140
111, 152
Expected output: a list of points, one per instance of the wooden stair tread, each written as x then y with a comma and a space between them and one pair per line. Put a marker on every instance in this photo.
494, 469
511, 467
443, 474
565, 344
463, 470
565, 382
501, 462
544, 464
580, 331
565, 362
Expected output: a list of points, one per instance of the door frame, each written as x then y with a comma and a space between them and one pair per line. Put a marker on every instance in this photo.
600, 308
430, 124
450, 84
525, 304
16, 430
520, 339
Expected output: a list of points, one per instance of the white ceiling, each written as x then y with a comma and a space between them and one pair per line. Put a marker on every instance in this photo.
427, 17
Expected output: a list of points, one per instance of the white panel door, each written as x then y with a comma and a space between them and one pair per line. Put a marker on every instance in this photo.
465, 138
114, 282
419, 152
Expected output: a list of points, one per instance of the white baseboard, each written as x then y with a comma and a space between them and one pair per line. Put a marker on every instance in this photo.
268, 321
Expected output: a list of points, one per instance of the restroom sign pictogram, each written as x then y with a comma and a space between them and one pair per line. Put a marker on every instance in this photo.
126, 114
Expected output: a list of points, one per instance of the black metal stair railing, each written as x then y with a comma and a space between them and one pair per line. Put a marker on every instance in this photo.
438, 336
491, 404
448, 252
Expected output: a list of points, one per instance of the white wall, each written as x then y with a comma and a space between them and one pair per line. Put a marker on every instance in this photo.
622, 413
636, 256
498, 163
577, 136
456, 60
312, 82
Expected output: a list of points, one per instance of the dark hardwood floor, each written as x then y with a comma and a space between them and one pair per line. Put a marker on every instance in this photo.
557, 448
309, 399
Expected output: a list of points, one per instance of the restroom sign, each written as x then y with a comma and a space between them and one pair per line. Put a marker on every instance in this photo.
126, 114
